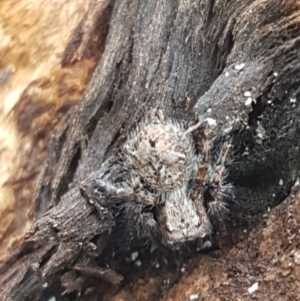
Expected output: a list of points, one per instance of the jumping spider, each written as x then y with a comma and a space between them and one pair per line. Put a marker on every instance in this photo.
172, 193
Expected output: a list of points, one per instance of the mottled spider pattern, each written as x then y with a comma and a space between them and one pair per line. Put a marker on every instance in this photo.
162, 153
173, 192
180, 218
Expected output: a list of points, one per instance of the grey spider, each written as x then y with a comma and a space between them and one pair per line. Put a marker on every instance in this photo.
172, 192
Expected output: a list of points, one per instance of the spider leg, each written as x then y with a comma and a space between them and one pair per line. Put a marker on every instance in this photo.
141, 197
217, 190
202, 164
104, 188
150, 225
205, 150
199, 204
140, 221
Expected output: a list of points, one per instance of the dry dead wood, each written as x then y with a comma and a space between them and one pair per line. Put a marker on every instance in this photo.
235, 62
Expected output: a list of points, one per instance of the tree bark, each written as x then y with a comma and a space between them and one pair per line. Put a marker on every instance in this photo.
235, 62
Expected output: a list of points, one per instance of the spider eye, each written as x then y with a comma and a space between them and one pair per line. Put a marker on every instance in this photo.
152, 143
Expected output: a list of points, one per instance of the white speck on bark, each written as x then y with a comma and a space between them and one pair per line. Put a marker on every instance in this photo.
253, 288
297, 258
248, 101
194, 297
134, 256
138, 263
211, 121
239, 66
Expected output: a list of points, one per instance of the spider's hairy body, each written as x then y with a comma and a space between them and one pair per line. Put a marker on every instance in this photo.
172, 191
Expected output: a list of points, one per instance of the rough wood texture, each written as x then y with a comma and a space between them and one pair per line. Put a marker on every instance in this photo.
36, 93
188, 58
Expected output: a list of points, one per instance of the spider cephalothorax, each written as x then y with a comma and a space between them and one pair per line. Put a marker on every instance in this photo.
162, 153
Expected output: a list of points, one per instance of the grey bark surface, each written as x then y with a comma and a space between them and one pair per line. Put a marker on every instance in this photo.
165, 54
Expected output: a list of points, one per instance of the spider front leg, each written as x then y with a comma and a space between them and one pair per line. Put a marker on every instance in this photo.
150, 226
103, 194
216, 189
135, 203
123, 191
140, 221
210, 185
141, 194
202, 163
